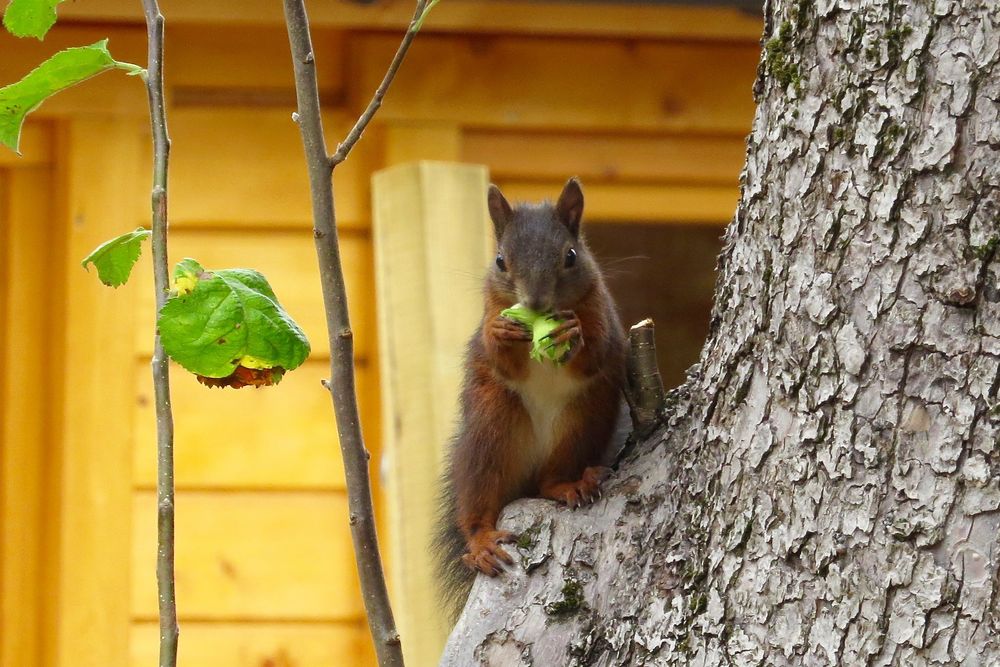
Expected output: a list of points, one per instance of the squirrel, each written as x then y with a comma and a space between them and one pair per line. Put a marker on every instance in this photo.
526, 427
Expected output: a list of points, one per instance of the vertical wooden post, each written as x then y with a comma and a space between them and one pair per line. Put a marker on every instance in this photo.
432, 244
25, 216
104, 198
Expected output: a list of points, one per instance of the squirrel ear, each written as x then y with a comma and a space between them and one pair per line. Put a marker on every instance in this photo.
500, 211
569, 208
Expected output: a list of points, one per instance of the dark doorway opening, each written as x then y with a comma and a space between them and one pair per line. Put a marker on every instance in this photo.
666, 272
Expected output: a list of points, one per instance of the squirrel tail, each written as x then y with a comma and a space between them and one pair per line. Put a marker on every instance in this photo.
454, 578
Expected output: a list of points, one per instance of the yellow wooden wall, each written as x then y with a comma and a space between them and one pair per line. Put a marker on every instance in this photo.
648, 105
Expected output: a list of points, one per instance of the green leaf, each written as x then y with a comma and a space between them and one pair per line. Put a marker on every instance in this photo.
228, 319
187, 273
114, 259
541, 325
30, 18
63, 70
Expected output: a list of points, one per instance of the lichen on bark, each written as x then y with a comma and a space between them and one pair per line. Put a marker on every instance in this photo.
826, 490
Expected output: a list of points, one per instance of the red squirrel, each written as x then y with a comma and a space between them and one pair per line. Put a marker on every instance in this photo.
527, 427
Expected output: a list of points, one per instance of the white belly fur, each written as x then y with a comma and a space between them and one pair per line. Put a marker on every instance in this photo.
546, 393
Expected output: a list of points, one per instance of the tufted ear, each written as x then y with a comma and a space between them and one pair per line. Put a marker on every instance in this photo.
569, 208
500, 211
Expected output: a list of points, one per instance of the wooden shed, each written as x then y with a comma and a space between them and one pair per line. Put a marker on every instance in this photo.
648, 103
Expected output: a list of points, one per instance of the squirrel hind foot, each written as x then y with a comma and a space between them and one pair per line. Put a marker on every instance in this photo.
584, 491
485, 553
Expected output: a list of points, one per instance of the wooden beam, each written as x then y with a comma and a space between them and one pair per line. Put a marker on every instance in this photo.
432, 244
562, 84
607, 157
101, 186
616, 202
493, 16
27, 405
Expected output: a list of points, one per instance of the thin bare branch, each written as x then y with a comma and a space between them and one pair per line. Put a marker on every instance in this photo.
359, 127
160, 363
341, 384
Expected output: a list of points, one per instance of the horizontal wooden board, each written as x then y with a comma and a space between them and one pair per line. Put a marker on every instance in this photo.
695, 159
250, 556
239, 167
614, 202
592, 18
259, 645
516, 82
288, 259
245, 57
280, 437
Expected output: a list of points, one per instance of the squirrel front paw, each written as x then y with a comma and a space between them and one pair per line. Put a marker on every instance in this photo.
509, 331
575, 494
485, 553
569, 332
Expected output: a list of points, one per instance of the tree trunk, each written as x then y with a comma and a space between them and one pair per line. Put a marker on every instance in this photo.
825, 488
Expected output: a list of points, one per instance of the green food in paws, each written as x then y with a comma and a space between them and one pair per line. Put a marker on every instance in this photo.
541, 325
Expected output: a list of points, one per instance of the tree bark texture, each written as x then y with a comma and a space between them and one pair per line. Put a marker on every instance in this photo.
826, 487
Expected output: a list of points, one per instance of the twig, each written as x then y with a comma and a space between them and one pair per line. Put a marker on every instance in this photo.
645, 388
341, 383
344, 148
160, 363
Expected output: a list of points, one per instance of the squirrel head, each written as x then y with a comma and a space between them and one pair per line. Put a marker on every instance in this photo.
542, 260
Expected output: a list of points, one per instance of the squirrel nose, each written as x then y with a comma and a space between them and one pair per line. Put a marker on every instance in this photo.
537, 305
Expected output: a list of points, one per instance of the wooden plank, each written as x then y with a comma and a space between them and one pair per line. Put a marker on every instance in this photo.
591, 18
27, 406
281, 437
9, 648
607, 157
246, 57
244, 167
288, 259
432, 244
592, 85
250, 556
94, 495
411, 142
260, 644
616, 202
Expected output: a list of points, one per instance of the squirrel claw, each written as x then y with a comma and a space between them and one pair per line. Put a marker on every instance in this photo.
575, 494
485, 553
566, 332
509, 331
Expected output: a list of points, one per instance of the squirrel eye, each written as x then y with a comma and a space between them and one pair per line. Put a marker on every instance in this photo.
502, 265
570, 258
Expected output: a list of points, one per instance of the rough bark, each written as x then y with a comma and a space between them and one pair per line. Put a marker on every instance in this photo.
826, 490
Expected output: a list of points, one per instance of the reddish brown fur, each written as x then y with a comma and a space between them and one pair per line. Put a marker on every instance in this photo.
499, 454
486, 470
